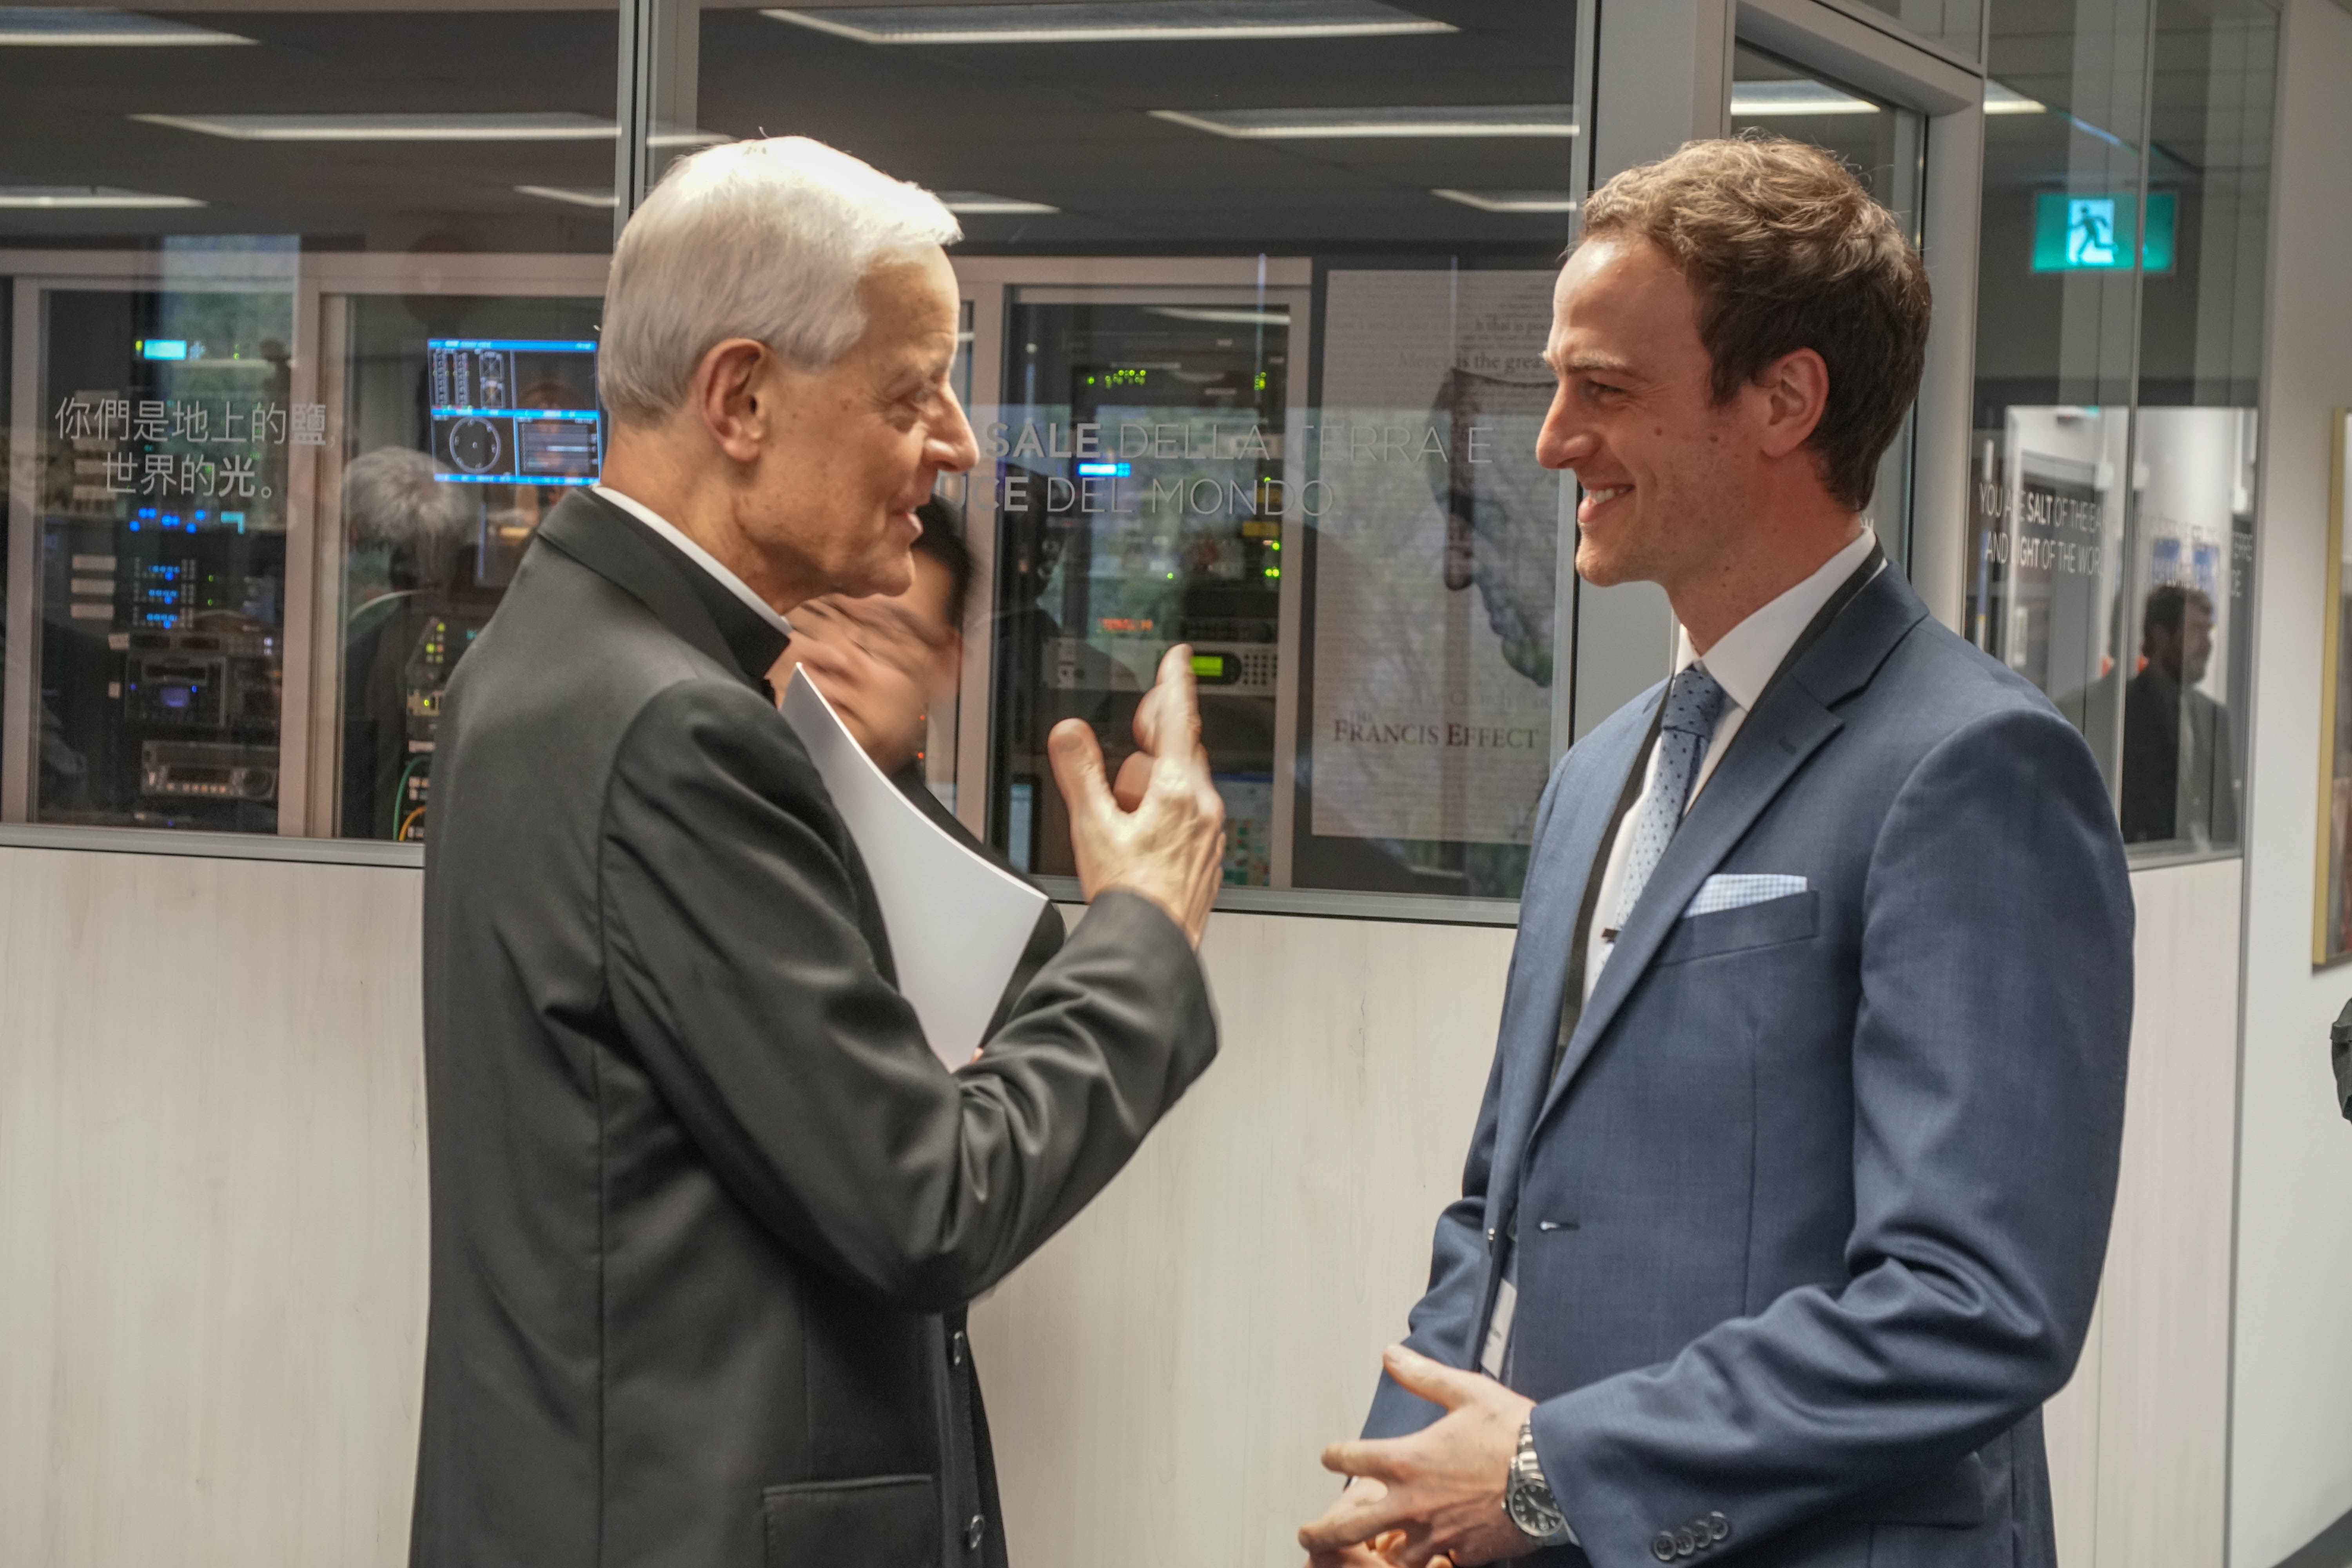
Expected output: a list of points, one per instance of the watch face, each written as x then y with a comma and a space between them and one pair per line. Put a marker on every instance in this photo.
1527, 1498
1529, 1512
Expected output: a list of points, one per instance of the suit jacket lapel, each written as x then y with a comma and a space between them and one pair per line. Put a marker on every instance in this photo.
1570, 852
599, 536
1794, 720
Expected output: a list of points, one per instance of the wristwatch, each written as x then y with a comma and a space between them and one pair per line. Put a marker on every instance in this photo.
1528, 1495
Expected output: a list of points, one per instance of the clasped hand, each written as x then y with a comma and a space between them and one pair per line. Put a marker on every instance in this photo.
1161, 830
1436, 1493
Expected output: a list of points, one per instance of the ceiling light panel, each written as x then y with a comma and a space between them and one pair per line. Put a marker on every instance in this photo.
1511, 201
1220, 318
1763, 99
489, 127
1150, 21
86, 198
57, 28
577, 196
981, 202
1303, 124
2000, 99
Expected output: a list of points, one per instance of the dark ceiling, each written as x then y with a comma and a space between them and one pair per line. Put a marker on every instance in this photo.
1061, 125
63, 121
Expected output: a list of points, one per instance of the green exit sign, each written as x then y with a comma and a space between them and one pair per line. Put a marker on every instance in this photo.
2079, 231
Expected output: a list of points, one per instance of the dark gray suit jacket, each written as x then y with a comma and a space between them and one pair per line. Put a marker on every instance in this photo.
1809, 1216
700, 1190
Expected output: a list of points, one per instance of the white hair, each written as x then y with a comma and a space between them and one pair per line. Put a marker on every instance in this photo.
762, 239
391, 499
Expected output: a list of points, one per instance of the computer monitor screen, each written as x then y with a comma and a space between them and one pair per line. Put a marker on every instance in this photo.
515, 411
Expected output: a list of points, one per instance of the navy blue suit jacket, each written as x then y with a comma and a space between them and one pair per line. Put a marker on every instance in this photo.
1811, 1218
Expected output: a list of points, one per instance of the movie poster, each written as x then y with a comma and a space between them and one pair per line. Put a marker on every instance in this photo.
1437, 557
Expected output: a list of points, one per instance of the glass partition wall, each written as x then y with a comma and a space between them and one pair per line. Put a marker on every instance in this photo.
2118, 354
252, 515
1258, 295
1885, 145
303, 315
299, 335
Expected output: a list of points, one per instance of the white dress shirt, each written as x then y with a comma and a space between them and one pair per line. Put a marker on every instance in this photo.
699, 555
1742, 661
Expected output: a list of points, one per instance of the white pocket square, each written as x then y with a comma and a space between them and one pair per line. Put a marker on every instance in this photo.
1737, 892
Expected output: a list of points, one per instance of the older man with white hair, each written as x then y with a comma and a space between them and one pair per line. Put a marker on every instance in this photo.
701, 1192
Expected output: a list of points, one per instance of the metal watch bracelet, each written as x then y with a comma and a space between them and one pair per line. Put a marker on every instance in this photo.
1529, 1498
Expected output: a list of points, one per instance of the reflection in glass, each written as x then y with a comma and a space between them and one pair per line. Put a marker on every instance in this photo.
1256, 323
1142, 493
2118, 354
2180, 776
466, 418
176, 210
2203, 265
2183, 741
1433, 390
1886, 147
2045, 598
2118, 365
2331, 933
2048, 590
161, 511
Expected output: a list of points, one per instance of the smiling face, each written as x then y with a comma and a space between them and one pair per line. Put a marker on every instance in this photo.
857, 447
1665, 467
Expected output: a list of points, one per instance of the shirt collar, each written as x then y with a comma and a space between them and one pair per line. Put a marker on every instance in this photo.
699, 555
1744, 658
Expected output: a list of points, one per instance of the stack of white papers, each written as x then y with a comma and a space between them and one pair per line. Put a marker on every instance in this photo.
958, 923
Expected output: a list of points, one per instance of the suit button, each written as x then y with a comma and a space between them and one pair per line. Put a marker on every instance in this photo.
956, 1346
1662, 1546
974, 1532
1684, 1541
1718, 1529
1490, 1238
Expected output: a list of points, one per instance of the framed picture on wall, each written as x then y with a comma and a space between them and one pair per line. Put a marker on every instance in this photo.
2331, 927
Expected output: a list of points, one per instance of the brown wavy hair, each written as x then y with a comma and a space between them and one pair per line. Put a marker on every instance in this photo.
1786, 251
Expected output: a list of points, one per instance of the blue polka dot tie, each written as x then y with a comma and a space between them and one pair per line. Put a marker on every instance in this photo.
1693, 704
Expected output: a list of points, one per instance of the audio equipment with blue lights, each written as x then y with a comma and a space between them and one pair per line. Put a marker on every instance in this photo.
162, 563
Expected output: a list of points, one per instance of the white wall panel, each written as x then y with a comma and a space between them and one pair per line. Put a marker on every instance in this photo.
2291, 1459
212, 1212
2137, 1440
1161, 1377
212, 1209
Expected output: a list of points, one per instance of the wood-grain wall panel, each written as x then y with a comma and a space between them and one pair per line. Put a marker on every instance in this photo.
1162, 1375
2138, 1437
212, 1210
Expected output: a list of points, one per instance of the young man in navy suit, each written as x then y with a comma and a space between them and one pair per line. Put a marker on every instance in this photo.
1787, 1204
